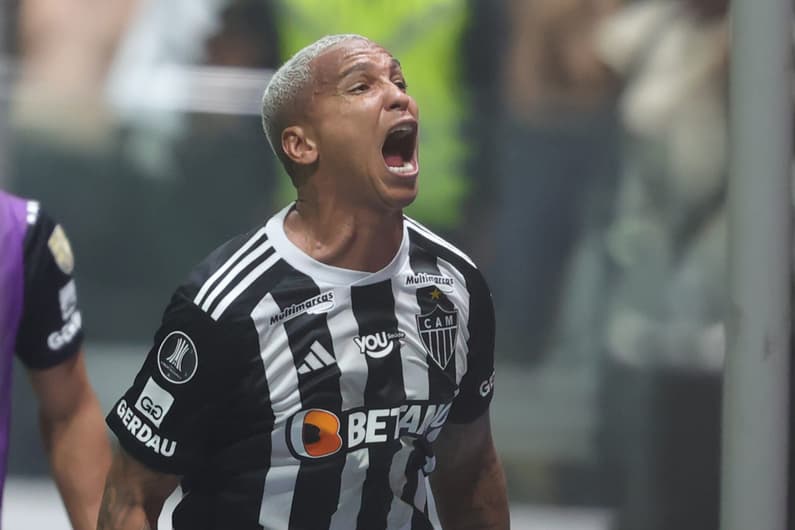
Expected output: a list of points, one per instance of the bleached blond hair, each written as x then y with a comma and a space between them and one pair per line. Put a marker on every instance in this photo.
287, 85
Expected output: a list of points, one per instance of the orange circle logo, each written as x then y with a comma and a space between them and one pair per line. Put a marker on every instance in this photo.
315, 433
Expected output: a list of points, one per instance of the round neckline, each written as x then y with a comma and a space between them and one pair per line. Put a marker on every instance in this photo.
318, 270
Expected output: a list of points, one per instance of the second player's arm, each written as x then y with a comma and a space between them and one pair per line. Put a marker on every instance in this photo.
74, 437
134, 494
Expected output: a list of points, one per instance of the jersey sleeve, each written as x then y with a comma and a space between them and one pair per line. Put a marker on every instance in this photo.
50, 330
477, 385
165, 418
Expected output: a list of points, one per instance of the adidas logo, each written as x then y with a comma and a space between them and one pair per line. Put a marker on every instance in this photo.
317, 358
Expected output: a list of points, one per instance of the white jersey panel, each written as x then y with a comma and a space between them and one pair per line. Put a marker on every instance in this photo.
459, 297
285, 401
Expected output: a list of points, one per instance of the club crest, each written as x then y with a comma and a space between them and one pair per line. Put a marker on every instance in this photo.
438, 330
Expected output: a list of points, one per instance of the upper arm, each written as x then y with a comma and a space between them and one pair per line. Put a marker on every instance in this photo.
62, 389
468, 483
476, 388
167, 418
50, 329
461, 448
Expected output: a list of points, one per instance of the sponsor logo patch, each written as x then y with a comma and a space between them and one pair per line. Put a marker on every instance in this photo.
154, 402
442, 282
58, 339
67, 297
438, 329
378, 345
177, 358
317, 433
322, 303
143, 432
61, 250
487, 386
317, 358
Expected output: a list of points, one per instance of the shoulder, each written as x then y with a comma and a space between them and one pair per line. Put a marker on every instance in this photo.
17, 212
25, 220
424, 239
45, 246
229, 274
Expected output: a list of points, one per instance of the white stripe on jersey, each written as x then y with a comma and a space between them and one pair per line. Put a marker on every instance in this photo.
438, 240
351, 490
353, 378
277, 500
165, 519
460, 297
228, 263
352, 364
399, 510
415, 371
280, 372
237, 269
421, 496
244, 284
278, 360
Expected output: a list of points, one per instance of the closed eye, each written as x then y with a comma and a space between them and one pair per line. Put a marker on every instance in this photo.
359, 88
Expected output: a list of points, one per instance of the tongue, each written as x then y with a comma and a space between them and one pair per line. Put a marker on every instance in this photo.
393, 160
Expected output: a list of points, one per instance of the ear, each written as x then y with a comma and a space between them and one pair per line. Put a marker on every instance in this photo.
299, 146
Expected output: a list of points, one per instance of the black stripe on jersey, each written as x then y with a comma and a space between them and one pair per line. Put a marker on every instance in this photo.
421, 520
228, 265
242, 274
227, 493
317, 486
374, 310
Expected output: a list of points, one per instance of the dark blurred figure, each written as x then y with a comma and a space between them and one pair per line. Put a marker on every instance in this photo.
127, 180
664, 298
551, 149
220, 154
129, 154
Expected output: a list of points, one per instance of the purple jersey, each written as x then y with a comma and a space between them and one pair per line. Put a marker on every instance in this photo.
39, 318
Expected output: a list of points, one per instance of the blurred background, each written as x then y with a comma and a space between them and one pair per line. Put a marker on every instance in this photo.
576, 149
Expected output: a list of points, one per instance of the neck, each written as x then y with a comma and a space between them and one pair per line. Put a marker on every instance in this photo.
343, 235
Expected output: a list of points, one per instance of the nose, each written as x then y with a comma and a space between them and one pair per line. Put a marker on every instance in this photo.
397, 99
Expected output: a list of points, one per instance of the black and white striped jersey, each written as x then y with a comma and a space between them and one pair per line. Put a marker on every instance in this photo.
293, 394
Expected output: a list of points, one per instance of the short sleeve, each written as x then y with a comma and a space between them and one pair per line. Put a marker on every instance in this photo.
477, 385
50, 329
165, 418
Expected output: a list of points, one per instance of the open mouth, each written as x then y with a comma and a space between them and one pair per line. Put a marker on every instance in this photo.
400, 147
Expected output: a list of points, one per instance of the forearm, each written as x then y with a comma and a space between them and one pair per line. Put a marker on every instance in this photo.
79, 455
134, 495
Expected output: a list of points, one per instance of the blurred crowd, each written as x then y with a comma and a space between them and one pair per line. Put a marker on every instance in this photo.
577, 148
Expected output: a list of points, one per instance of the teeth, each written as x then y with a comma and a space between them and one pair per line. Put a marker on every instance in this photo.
407, 167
